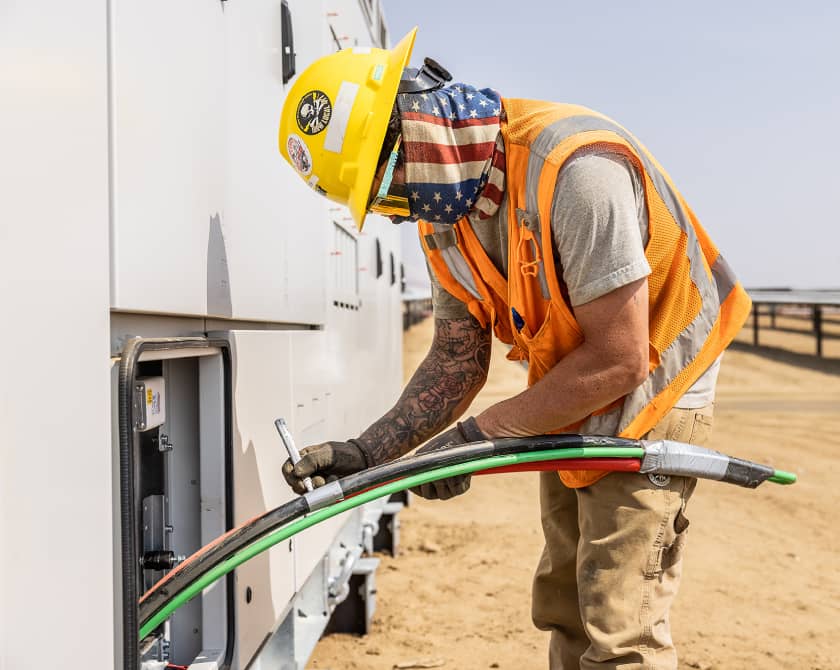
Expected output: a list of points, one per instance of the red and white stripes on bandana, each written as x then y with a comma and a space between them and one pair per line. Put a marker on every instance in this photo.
454, 154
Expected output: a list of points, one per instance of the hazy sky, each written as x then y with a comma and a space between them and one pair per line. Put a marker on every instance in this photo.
740, 101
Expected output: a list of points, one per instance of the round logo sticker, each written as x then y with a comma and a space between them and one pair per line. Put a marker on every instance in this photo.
314, 112
299, 154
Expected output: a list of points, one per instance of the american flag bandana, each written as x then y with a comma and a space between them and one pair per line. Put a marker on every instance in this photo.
454, 155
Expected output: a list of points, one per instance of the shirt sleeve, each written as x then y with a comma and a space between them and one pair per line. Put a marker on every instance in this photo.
444, 304
596, 224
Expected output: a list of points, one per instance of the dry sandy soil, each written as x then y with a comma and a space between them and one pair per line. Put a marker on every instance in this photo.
761, 586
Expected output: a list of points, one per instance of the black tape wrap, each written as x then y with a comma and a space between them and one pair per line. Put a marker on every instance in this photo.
746, 473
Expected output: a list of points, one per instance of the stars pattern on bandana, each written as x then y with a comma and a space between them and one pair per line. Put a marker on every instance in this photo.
452, 127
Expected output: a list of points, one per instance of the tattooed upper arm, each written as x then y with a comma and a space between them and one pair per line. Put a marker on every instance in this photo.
454, 370
439, 391
463, 342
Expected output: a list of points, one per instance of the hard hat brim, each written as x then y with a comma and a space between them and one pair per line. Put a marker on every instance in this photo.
378, 125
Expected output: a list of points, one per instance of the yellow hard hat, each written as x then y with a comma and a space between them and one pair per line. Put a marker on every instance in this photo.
334, 120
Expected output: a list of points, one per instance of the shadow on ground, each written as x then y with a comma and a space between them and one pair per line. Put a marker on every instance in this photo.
810, 361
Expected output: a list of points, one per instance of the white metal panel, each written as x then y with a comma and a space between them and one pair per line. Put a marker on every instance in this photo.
313, 375
314, 372
367, 335
276, 231
379, 368
386, 296
356, 22
212, 420
169, 168
208, 219
348, 394
344, 315
391, 301
395, 327
55, 463
311, 32
261, 393
367, 340
390, 320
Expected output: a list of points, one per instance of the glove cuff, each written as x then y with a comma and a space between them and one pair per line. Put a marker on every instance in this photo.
470, 430
366, 455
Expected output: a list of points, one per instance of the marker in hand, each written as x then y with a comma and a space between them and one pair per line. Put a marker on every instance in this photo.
291, 449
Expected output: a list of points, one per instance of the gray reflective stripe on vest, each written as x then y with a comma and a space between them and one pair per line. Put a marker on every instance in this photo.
455, 261
724, 277
688, 343
602, 424
504, 213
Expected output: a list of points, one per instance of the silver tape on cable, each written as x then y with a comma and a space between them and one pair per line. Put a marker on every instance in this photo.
324, 496
484, 444
668, 457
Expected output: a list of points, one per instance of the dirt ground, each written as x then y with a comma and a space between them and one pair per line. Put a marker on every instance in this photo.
761, 584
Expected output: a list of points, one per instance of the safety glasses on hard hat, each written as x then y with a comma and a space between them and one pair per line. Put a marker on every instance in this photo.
391, 199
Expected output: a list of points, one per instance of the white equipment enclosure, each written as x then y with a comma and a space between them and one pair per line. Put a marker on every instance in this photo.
170, 289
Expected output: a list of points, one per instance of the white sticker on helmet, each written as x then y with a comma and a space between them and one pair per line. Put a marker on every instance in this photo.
299, 154
313, 184
343, 106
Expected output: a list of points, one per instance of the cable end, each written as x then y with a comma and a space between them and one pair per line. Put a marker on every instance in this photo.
783, 477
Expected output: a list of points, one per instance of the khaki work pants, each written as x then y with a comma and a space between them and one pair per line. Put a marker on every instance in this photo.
611, 564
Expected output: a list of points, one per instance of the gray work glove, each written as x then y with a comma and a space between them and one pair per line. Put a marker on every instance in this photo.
443, 489
325, 463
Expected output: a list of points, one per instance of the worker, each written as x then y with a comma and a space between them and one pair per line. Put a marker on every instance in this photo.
552, 227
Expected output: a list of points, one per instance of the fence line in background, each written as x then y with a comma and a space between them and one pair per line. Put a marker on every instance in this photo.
816, 307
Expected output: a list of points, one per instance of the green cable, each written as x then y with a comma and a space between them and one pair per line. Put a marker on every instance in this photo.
782, 477
314, 518
320, 515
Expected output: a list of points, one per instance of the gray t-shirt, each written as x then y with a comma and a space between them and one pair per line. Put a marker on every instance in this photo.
600, 227
599, 190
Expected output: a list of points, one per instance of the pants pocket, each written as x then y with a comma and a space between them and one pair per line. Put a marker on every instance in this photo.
669, 545
701, 429
672, 554
664, 557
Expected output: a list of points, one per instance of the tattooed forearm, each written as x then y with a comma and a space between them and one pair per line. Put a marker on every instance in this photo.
441, 388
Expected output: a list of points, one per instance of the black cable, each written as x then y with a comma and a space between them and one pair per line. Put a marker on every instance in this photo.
127, 471
159, 595
128, 527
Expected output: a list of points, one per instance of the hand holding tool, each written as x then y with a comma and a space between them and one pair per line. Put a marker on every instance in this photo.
291, 449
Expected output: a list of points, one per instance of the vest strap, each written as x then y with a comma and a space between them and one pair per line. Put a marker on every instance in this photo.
531, 222
442, 240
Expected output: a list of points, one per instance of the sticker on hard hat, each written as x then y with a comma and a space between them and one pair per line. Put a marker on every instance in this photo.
314, 112
313, 183
299, 154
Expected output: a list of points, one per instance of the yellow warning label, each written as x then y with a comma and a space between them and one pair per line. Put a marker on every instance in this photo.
148, 396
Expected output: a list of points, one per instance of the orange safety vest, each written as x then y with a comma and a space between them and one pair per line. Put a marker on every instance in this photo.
697, 306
